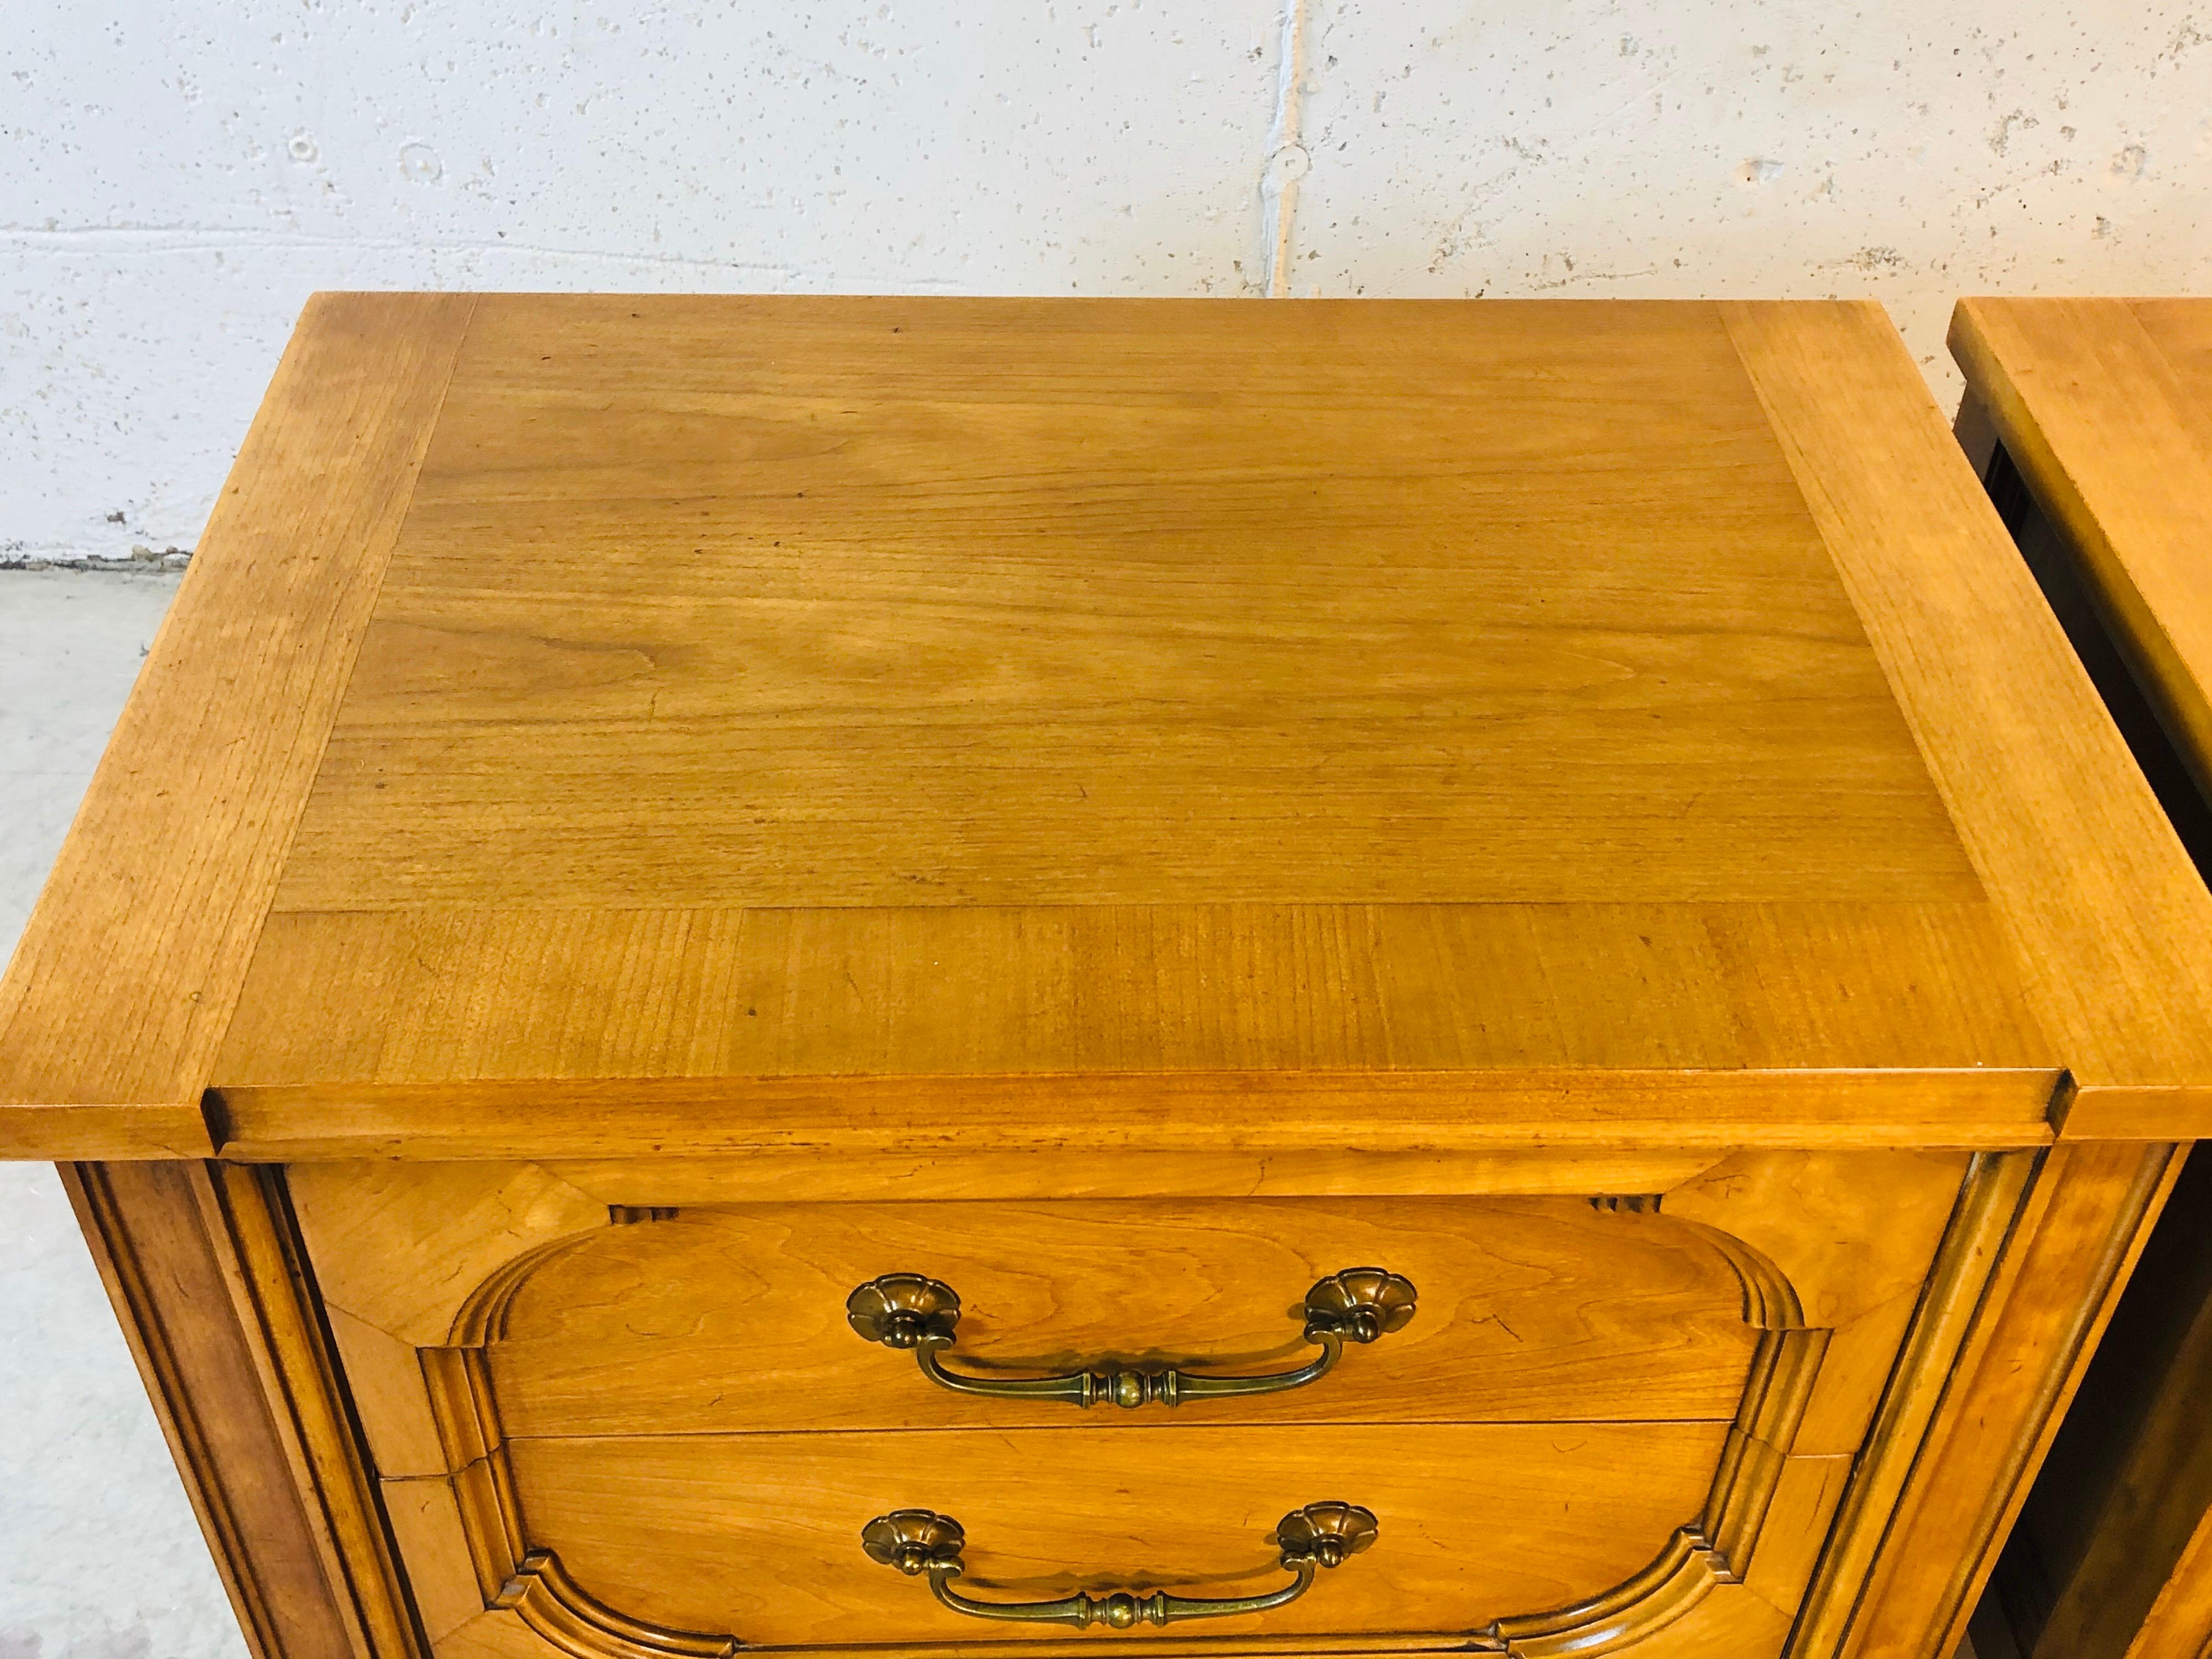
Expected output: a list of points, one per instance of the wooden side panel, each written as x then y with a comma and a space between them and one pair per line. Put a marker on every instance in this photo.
2180, 1622
271, 1286
2071, 1248
1941, 1322
131, 967
195, 1260
2149, 1526
2111, 922
2128, 1483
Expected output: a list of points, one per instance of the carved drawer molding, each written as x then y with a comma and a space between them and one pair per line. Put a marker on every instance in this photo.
1794, 1228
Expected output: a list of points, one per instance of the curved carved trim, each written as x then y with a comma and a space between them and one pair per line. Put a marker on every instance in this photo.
531, 1583
1684, 1574
1769, 1300
1765, 1427
557, 1609
1716, 1550
491, 1522
1780, 1386
482, 1319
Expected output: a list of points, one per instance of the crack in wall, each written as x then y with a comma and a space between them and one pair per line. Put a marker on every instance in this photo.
1287, 160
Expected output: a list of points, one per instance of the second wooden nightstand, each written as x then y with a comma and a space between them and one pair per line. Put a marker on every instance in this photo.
2103, 411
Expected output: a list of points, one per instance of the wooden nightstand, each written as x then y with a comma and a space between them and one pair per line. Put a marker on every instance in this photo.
1505, 934
2102, 413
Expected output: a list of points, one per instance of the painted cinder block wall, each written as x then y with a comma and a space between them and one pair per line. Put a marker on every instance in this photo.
180, 173
177, 175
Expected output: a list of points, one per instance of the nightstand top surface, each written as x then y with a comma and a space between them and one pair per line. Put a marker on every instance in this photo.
708, 699
2106, 406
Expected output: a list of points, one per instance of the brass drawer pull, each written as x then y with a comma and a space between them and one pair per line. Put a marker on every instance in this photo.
908, 1310
920, 1541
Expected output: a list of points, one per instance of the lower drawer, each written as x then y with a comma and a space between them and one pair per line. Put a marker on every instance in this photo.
763, 1534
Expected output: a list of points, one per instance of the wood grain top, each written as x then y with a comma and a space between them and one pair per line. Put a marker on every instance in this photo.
2106, 406
128, 971
888, 604
762, 693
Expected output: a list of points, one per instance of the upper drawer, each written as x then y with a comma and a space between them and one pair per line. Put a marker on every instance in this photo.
728, 1319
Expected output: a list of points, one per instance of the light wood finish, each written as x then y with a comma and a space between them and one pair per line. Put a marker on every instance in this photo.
426, 1525
2106, 408
717, 1321
130, 968
799, 1176
1949, 1310
2183, 1612
848, 771
679, 1532
579, 1362
2108, 916
2105, 405
1176, 700
2151, 1530
935, 990
2073, 1241
893, 603
179, 1130
204, 1274
2106, 1557
986, 744
1109, 1134
2104, 411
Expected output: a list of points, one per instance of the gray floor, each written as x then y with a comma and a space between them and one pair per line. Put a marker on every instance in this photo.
100, 1555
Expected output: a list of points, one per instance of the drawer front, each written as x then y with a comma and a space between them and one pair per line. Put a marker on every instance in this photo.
631, 1430
762, 1535
732, 1320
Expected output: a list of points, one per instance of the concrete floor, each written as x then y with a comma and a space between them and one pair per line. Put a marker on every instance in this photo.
100, 1555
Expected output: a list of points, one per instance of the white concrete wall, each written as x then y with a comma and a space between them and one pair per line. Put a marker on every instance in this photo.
180, 173
177, 175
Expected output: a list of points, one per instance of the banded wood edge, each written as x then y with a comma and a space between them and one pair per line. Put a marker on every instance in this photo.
1091, 1123
2109, 920
2098, 903
2110, 441
179, 1130
118, 994
1973, 1246
1327, 1124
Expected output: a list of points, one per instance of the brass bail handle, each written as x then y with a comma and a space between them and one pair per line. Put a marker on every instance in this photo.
910, 1310
918, 1541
